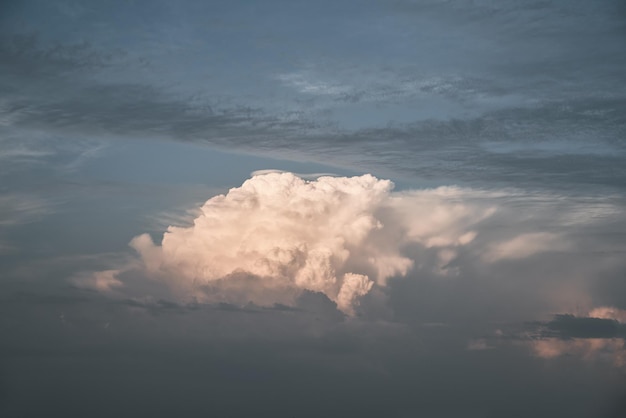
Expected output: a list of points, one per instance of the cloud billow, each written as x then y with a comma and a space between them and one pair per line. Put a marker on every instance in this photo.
279, 235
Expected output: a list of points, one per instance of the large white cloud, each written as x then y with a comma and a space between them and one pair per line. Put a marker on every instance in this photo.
278, 235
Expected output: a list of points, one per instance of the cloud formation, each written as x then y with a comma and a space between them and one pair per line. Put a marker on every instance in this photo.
599, 335
279, 235
537, 121
525, 245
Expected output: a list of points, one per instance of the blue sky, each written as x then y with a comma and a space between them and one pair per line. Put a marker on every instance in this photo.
489, 282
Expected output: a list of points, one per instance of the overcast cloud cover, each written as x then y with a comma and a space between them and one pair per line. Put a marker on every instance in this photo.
454, 245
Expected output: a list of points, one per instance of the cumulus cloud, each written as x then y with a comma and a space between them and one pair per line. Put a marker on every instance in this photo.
279, 235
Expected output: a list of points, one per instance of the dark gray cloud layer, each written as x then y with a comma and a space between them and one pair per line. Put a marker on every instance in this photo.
78, 353
569, 326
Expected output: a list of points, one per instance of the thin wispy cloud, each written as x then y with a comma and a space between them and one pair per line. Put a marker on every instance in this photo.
18, 209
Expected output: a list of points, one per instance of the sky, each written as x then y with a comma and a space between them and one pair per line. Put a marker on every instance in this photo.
373, 208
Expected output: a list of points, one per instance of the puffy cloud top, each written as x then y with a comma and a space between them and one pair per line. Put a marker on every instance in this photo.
283, 234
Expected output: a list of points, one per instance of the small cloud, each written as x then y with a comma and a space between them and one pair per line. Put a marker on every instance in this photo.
601, 335
478, 345
524, 246
17, 209
307, 176
101, 281
570, 326
609, 312
586, 348
306, 83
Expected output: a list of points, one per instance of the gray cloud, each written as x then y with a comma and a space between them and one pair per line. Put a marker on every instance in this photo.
80, 348
534, 100
547, 146
569, 326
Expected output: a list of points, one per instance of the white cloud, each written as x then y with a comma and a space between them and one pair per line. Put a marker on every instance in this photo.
279, 235
333, 235
307, 176
525, 245
103, 281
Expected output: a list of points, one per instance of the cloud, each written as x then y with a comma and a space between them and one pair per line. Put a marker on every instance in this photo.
588, 349
524, 246
103, 281
608, 312
599, 335
307, 84
549, 116
17, 209
279, 235
478, 345
570, 326
493, 128
307, 176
